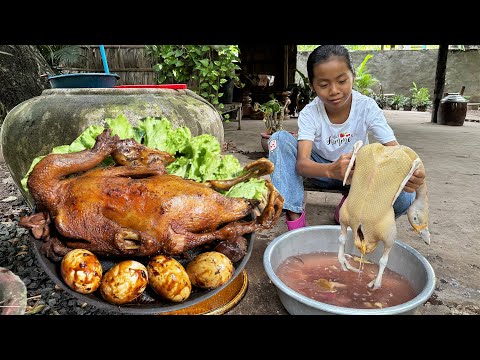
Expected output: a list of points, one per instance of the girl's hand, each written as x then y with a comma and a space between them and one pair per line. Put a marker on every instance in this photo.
339, 168
415, 181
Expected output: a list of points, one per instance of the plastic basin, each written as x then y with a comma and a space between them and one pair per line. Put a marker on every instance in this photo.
83, 80
403, 259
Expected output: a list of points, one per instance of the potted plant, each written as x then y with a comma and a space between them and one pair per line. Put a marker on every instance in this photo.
406, 103
364, 81
379, 98
305, 94
395, 101
420, 97
273, 115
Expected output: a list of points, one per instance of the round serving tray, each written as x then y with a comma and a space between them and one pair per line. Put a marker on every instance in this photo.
201, 301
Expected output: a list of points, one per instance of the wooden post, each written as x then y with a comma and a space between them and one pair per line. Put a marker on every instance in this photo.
285, 67
439, 79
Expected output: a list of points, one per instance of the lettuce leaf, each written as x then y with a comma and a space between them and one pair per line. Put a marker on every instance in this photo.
252, 189
198, 158
121, 126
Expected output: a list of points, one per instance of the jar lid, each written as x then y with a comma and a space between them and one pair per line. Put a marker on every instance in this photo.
453, 97
161, 86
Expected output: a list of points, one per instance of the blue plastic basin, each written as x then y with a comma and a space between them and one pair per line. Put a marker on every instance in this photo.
83, 80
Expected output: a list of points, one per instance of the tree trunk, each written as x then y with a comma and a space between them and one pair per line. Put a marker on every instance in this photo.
21, 67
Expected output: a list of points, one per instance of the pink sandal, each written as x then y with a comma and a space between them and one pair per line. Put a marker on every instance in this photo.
297, 224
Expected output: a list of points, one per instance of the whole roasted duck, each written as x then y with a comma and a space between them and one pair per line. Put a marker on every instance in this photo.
136, 208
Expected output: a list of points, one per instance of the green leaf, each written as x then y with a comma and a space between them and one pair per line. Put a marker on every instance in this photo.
205, 62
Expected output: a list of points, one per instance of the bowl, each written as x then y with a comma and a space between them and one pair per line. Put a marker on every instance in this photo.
403, 259
83, 80
148, 303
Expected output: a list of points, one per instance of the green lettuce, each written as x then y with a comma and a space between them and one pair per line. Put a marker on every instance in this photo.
198, 158
252, 189
121, 126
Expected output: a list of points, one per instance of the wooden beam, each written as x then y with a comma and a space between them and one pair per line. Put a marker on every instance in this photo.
285, 66
439, 80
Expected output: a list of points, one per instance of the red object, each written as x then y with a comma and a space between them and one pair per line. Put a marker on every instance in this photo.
162, 86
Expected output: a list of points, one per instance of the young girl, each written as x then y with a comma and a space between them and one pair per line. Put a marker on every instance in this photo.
327, 129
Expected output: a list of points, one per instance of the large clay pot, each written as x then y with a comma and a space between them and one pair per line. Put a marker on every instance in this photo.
58, 116
452, 110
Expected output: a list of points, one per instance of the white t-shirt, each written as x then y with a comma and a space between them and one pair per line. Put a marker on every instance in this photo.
332, 140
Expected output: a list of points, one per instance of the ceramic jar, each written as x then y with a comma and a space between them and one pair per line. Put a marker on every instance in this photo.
452, 110
58, 116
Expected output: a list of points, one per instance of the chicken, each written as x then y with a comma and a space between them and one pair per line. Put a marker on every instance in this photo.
381, 173
136, 208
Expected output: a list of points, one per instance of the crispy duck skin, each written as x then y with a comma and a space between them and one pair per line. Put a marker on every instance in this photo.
136, 208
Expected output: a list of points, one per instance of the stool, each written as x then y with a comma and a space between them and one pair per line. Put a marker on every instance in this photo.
234, 106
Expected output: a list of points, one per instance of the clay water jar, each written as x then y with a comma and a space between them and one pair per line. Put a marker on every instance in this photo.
452, 110
58, 116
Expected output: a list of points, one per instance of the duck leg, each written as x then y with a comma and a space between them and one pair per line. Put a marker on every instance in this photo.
382, 264
341, 250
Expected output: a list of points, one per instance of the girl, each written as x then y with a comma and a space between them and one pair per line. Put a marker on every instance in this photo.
327, 129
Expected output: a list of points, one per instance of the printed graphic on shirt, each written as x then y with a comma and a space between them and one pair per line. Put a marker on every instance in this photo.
340, 139
272, 145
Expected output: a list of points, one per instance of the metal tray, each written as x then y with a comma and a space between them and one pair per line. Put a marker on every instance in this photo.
148, 303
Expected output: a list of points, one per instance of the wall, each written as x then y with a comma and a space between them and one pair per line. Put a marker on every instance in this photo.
128, 61
396, 70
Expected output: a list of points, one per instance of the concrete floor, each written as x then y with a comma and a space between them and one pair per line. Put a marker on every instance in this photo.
451, 155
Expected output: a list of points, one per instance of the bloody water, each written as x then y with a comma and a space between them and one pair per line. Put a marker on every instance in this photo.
319, 276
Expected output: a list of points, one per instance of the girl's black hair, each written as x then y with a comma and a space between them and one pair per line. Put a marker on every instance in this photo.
323, 53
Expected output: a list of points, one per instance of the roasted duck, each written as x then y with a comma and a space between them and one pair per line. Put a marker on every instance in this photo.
135, 208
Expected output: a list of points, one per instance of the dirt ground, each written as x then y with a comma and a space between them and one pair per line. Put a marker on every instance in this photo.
451, 155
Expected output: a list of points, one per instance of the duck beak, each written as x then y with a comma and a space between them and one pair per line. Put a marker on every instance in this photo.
423, 231
425, 234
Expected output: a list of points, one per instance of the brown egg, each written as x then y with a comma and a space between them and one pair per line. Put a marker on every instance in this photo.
124, 282
168, 278
81, 270
210, 270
